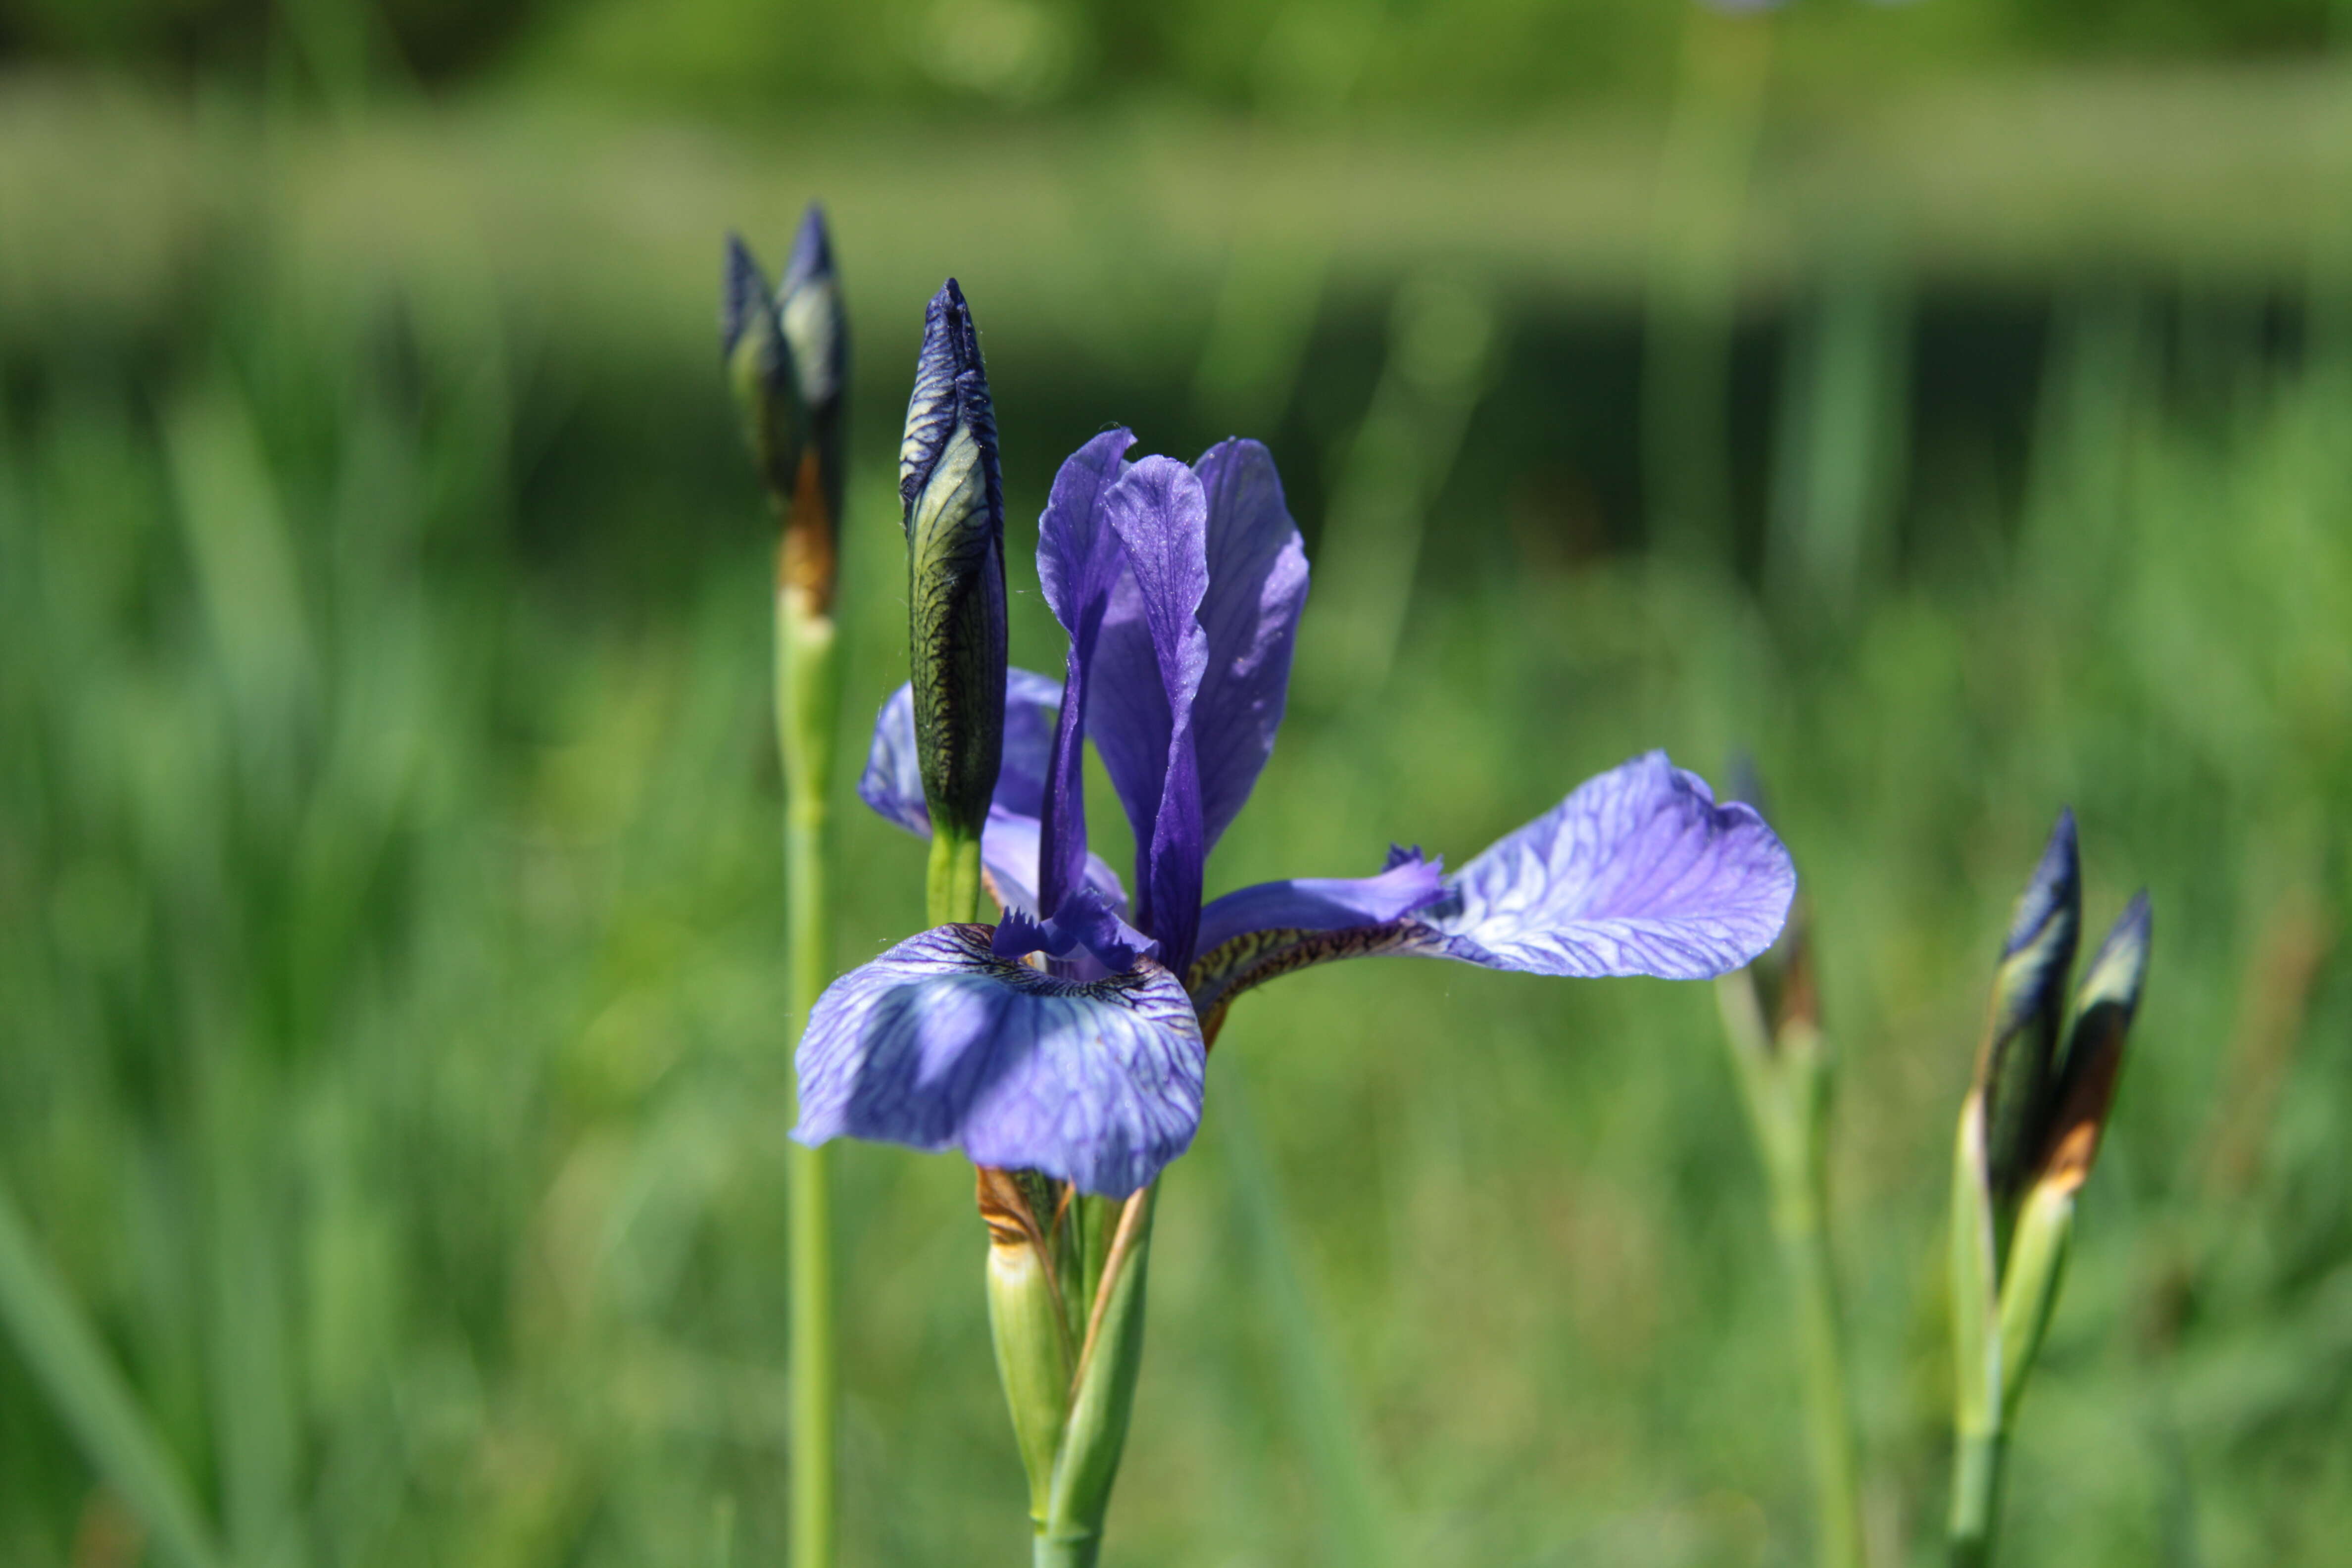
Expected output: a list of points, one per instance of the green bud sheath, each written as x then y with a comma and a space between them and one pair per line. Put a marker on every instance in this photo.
2028, 1287
1976, 1326
955, 595
954, 509
1033, 1342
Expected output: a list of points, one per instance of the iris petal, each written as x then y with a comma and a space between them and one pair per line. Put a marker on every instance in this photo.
1326, 903
1258, 586
940, 1043
1141, 704
1638, 871
1079, 560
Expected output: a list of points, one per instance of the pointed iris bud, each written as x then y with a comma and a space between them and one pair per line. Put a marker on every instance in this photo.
787, 360
2014, 1073
2084, 1092
2104, 1008
953, 495
809, 302
816, 335
2028, 1134
759, 370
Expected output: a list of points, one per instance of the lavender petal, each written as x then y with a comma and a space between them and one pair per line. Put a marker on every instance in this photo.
1638, 871
940, 1044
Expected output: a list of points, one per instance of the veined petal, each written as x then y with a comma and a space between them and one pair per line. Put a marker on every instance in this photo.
1139, 707
892, 784
1638, 871
1079, 560
940, 1044
1257, 586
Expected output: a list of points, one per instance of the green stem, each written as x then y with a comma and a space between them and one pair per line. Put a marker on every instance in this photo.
1976, 1497
1784, 1084
806, 695
1805, 1256
952, 890
1067, 1551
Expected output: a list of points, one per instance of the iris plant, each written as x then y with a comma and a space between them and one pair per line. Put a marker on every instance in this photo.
1063, 1049
787, 356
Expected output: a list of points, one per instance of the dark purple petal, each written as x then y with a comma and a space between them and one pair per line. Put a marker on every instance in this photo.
1084, 924
1139, 704
1079, 559
1637, 872
940, 1044
1257, 586
1328, 903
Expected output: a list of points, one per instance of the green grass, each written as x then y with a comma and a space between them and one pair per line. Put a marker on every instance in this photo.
392, 1020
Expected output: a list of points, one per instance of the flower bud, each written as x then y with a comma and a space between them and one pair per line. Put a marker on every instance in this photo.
816, 332
787, 358
2014, 1076
1025, 1317
2103, 1007
2028, 1134
759, 371
953, 495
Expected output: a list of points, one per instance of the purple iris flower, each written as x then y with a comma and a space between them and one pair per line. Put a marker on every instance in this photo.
1180, 590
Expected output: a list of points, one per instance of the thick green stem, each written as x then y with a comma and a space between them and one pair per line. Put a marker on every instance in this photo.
1976, 1497
952, 888
1067, 1551
806, 696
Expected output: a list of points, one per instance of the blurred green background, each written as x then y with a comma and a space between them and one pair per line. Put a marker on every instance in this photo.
1949, 404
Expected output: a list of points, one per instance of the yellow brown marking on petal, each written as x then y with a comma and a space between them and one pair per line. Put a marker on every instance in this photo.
1256, 957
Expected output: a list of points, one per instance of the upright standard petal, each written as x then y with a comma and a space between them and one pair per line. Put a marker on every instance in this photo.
1258, 586
1079, 560
1140, 710
940, 1044
1638, 871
